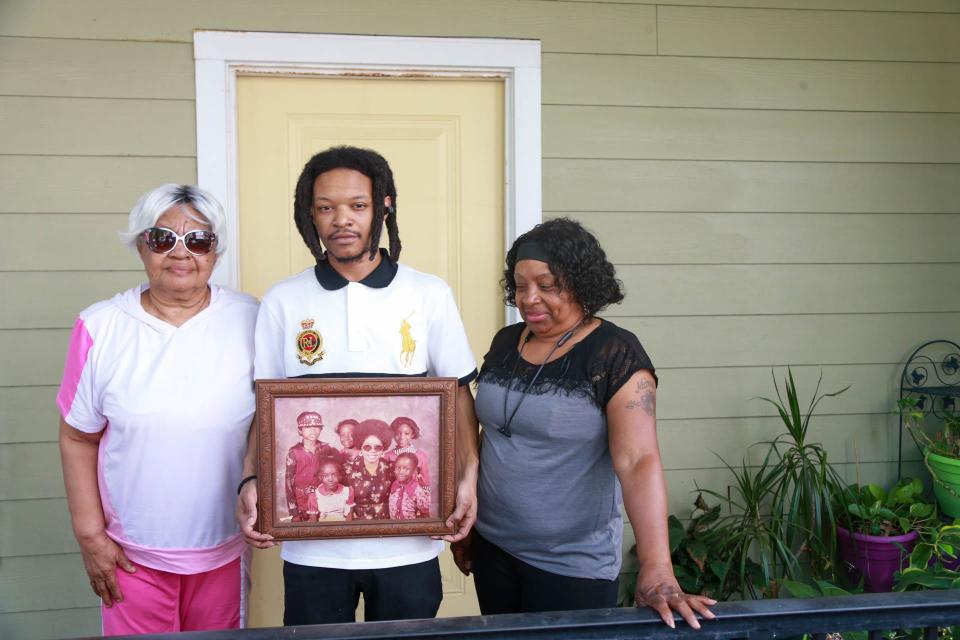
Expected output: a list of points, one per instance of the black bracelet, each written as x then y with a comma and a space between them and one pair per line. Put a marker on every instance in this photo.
243, 482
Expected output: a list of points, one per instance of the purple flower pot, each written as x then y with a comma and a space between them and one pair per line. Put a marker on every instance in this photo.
875, 558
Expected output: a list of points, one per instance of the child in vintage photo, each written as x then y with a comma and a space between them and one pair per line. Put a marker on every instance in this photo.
405, 431
409, 499
348, 451
303, 462
331, 500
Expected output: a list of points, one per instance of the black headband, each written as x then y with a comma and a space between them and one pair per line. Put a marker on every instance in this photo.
532, 250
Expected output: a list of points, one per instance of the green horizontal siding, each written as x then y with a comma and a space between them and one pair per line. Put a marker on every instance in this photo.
571, 131
778, 183
760, 33
575, 184
750, 83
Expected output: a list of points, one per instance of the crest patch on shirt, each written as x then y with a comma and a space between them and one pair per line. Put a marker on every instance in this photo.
309, 343
408, 346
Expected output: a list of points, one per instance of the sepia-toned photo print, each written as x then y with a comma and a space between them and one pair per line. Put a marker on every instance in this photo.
355, 457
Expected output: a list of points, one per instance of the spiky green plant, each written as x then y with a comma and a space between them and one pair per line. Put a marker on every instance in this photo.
807, 482
750, 539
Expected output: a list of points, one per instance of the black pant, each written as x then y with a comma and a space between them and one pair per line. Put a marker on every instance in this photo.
506, 584
317, 595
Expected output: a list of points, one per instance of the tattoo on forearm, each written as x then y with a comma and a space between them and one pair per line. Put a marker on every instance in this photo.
648, 399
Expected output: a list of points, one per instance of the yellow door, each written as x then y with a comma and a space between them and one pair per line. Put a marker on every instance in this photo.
444, 141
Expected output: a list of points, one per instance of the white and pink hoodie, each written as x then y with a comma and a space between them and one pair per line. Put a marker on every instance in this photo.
176, 403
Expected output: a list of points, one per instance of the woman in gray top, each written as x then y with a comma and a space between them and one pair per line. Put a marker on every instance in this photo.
568, 405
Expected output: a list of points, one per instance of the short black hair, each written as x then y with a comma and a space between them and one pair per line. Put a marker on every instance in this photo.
404, 420
350, 421
324, 461
369, 163
409, 456
577, 261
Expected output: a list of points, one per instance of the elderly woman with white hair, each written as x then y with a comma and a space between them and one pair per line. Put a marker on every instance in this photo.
156, 404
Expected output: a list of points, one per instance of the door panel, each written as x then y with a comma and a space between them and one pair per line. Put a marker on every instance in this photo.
444, 141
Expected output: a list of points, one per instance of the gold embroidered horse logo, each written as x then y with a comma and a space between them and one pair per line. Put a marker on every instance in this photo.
408, 344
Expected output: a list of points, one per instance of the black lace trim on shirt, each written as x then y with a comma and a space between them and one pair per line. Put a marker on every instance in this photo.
503, 376
595, 368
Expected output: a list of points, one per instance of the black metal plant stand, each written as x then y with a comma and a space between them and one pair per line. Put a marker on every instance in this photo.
931, 376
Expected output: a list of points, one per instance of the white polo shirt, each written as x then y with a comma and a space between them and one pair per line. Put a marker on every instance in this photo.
396, 321
176, 405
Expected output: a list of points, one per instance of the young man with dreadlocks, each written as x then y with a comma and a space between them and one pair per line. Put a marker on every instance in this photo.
359, 312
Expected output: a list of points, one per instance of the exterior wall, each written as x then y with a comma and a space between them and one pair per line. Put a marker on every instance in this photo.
777, 183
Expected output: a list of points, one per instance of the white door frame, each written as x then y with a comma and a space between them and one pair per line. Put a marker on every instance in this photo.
223, 55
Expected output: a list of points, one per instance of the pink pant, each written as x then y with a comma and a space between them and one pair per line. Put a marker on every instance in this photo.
160, 602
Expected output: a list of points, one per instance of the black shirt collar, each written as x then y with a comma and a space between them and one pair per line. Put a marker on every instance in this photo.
331, 280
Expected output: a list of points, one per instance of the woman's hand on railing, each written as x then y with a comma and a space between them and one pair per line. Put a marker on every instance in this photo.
658, 589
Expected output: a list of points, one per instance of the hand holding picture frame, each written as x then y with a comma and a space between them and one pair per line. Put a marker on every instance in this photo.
355, 457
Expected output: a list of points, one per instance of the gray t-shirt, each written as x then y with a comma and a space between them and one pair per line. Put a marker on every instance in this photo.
548, 494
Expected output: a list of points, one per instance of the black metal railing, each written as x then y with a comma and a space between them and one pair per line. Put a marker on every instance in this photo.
874, 613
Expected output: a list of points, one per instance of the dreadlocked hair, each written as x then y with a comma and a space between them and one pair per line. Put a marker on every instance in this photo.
369, 163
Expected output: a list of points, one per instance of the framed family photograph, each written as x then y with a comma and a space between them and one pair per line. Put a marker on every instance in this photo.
355, 457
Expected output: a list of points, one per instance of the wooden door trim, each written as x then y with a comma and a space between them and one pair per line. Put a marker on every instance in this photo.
221, 56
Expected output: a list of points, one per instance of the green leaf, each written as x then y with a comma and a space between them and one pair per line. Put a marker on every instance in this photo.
917, 485
921, 510
829, 589
920, 556
948, 552
676, 531
689, 584
719, 568
887, 514
905, 525
877, 492
698, 552
901, 494
799, 589
915, 577
680, 570
705, 519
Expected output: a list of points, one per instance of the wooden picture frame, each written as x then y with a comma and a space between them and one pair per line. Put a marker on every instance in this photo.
412, 489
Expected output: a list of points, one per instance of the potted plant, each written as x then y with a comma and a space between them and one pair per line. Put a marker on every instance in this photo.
934, 562
780, 520
751, 538
776, 522
876, 529
802, 497
941, 453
